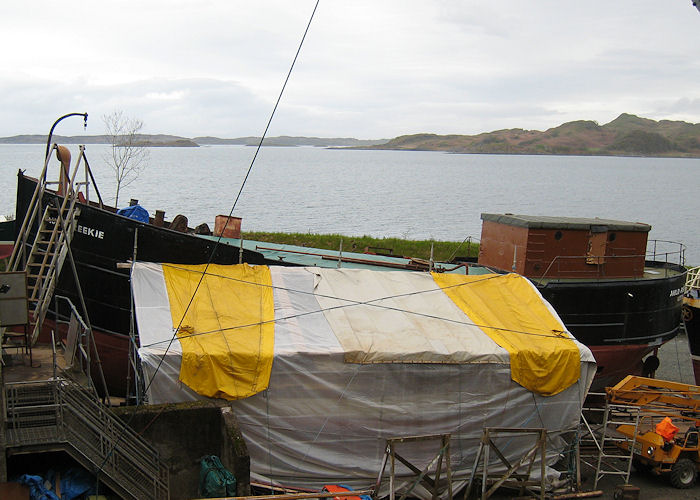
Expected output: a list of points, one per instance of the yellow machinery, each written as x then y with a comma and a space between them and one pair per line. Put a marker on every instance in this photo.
679, 456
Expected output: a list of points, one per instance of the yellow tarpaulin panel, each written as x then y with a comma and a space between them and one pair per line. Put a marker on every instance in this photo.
227, 335
543, 359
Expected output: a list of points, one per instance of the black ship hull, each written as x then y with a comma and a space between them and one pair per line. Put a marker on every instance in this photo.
691, 320
102, 240
621, 320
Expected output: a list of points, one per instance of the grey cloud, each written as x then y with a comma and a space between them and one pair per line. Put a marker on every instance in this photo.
684, 107
183, 107
443, 67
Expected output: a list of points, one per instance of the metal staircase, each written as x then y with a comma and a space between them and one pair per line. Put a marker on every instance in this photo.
43, 241
60, 414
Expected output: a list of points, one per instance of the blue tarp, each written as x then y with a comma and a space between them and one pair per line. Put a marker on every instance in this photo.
136, 212
75, 482
37, 491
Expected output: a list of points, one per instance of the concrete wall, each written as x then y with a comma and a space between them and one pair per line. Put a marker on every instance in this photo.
184, 433
3, 442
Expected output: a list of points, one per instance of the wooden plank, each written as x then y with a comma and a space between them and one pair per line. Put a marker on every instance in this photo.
299, 496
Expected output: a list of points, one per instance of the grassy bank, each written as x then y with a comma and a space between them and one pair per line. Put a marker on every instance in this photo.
443, 250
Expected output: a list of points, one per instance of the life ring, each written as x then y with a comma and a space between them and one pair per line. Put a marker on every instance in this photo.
687, 314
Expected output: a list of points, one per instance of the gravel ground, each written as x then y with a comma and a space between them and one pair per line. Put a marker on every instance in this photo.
675, 361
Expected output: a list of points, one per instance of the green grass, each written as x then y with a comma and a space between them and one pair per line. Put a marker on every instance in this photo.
443, 250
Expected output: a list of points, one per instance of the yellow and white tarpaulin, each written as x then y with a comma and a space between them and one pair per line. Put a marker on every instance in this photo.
226, 330
357, 357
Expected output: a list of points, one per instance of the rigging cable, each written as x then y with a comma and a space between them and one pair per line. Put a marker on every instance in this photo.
218, 241
240, 191
349, 303
469, 248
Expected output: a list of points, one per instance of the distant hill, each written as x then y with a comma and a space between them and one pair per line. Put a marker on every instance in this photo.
173, 140
61, 139
626, 135
144, 139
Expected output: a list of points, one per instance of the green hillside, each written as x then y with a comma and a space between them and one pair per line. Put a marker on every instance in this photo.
627, 135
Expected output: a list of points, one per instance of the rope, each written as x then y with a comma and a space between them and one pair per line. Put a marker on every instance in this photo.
250, 168
218, 241
350, 303
469, 247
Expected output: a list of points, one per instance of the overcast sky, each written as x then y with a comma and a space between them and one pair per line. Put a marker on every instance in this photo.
368, 69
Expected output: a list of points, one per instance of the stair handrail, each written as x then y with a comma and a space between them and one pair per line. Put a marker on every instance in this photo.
127, 443
45, 265
58, 239
30, 216
118, 445
82, 352
61, 227
38, 193
692, 281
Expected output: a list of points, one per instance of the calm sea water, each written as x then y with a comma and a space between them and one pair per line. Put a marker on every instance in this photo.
389, 193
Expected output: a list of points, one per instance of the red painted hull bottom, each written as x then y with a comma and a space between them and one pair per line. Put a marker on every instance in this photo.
691, 319
616, 362
113, 351
6, 250
696, 369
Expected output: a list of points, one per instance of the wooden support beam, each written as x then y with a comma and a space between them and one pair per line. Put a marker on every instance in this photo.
299, 496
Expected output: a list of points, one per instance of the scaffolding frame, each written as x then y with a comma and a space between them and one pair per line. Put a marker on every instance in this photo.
420, 476
519, 480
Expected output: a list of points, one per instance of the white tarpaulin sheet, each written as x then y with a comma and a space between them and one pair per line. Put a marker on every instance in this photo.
358, 303
323, 420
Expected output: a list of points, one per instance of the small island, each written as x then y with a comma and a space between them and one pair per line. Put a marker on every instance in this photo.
176, 143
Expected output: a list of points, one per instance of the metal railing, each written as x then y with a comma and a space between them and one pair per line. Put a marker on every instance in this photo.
33, 210
59, 411
670, 252
48, 245
658, 251
692, 280
80, 343
43, 243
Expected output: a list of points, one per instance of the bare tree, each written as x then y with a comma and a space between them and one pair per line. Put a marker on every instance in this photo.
127, 157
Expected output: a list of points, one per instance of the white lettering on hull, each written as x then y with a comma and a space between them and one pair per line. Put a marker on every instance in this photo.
91, 232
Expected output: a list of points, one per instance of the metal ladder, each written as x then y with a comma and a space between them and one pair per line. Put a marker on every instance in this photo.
46, 231
61, 414
598, 439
